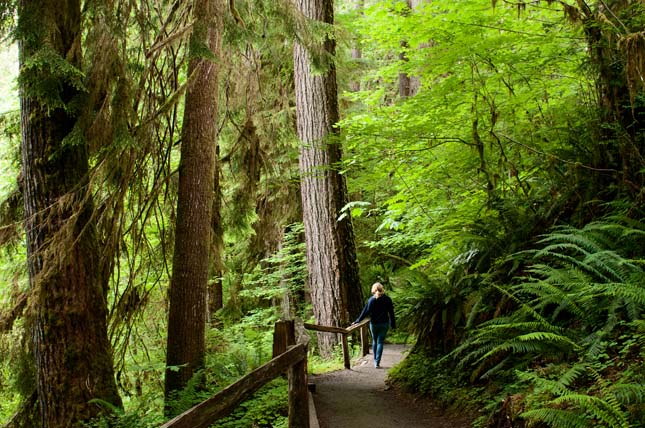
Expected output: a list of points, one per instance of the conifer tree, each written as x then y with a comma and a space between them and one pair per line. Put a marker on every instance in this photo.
331, 254
188, 288
68, 274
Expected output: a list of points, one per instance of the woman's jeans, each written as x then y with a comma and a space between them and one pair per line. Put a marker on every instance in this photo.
378, 338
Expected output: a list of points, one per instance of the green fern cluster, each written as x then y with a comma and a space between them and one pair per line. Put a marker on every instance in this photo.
574, 338
560, 402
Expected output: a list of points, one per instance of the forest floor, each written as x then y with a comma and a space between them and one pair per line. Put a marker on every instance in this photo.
362, 398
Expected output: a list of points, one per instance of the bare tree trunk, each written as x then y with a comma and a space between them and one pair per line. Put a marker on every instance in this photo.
331, 255
67, 273
188, 287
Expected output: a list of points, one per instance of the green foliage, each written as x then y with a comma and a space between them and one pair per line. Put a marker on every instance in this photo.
494, 147
283, 271
145, 415
575, 308
423, 373
47, 76
279, 277
240, 347
451, 186
232, 351
267, 409
7, 17
432, 310
8, 75
602, 405
14, 379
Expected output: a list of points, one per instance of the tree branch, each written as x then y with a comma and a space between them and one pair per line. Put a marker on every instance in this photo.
7, 318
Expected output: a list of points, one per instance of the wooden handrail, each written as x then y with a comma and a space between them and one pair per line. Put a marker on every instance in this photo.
356, 326
293, 361
288, 357
340, 330
326, 328
344, 332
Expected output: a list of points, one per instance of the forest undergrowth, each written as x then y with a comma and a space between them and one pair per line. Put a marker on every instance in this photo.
494, 159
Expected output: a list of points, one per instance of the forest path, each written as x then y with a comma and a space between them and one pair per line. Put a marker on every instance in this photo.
361, 398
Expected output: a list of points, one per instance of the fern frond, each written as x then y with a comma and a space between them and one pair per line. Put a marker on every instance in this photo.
552, 386
575, 239
613, 406
511, 326
572, 374
557, 418
523, 305
492, 371
615, 266
595, 345
603, 411
619, 226
474, 311
629, 393
562, 257
534, 342
571, 234
630, 292
546, 293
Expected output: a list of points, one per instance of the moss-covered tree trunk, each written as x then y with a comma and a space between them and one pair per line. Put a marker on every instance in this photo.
614, 30
68, 278
190, 271
331, 254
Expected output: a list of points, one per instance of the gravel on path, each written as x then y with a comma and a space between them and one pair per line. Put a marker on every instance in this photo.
361, 398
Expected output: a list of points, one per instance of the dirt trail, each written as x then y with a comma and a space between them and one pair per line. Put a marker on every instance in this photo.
360, 398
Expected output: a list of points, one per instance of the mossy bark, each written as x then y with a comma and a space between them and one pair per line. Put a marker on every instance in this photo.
73, 359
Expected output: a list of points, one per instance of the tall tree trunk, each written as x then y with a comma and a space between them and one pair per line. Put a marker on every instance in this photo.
408, 85
331, 255
357, 54
66, 272
188, 287
405, 81
215, 291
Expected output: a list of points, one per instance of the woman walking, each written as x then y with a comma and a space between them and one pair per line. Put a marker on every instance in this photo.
380, 309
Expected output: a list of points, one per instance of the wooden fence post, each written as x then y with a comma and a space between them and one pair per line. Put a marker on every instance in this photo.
365, 344
346, 351
284, 335
298, 395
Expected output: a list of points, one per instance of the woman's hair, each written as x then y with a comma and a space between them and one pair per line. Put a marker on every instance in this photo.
377, 289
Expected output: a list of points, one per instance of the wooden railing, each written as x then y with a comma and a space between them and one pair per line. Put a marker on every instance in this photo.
346, 332
287, 357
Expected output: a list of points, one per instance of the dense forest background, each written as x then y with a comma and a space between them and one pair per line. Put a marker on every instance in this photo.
490, 157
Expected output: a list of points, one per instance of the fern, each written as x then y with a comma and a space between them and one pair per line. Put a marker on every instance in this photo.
602, 408
629, 393
556, 418
580, 301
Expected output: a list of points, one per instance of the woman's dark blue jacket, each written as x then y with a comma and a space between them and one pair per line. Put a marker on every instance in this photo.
380, 311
